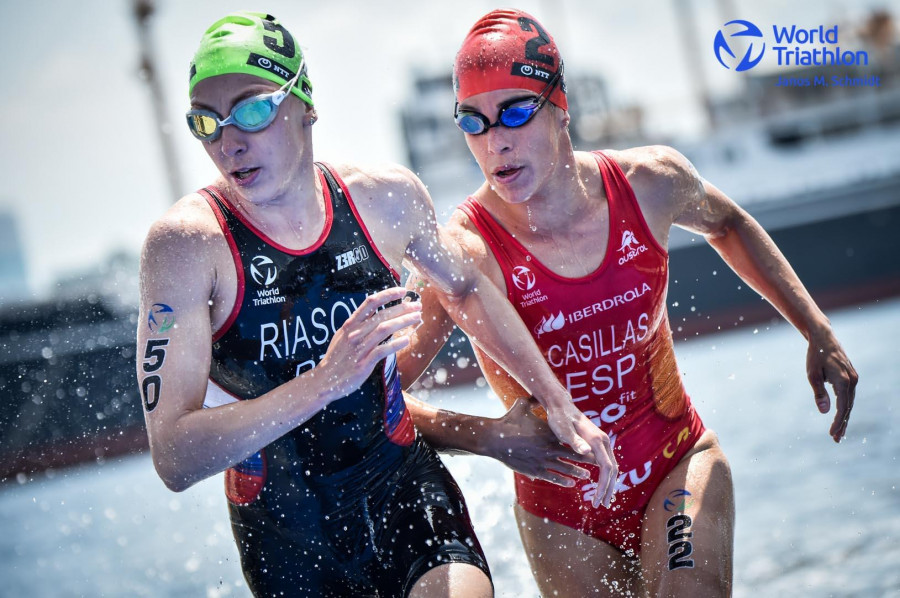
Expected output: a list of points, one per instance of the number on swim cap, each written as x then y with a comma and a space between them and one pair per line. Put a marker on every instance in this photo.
533, 45
287, 49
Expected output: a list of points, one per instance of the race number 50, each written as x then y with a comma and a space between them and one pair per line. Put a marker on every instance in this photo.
154, 357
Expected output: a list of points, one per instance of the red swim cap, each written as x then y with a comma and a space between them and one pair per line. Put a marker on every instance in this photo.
507, 49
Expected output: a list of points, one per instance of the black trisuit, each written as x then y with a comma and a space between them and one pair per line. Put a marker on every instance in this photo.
352, 502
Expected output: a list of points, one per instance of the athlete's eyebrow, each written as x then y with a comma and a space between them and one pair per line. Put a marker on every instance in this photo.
500, 105
248, 92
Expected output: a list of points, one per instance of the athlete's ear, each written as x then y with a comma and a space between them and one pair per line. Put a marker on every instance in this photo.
311, 116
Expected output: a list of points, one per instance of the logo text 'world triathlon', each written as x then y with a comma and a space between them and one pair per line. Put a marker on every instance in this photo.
808, 47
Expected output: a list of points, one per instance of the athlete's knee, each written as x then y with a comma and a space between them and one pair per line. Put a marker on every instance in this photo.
453, 580
703, 581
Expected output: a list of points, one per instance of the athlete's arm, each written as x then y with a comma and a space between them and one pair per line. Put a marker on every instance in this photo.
189, 443
751, 253
478, 306
427, 340
519, 439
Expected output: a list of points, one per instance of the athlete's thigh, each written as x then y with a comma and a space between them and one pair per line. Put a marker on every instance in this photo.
456, 580
425, 525
275, 565
566, 562
687, 540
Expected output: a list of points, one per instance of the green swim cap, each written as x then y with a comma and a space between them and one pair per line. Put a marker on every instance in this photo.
252, 43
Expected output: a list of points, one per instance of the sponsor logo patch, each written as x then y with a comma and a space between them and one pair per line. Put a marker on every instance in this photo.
352, 257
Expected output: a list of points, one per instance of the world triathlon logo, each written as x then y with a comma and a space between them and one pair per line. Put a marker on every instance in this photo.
161, 318
263, 270
736, 29
678, 500
523, 278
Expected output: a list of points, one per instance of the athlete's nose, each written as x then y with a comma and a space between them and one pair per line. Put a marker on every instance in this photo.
498, 140
233, 141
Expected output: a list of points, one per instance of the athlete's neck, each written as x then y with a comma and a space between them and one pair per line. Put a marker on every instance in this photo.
293, 215
569, 195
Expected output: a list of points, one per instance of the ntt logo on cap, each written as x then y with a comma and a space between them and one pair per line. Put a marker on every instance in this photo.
271, 66
532, 72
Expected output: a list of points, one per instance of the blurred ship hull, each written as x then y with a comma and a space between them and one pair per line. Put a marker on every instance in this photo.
67, 371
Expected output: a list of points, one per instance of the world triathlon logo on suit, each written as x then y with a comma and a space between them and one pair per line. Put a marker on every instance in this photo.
263, 271
524, 280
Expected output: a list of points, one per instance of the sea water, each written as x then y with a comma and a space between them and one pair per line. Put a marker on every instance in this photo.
814, 518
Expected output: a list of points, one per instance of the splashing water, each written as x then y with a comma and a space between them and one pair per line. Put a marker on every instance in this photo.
530, 223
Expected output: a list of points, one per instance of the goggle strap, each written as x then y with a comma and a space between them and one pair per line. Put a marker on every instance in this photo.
279, 97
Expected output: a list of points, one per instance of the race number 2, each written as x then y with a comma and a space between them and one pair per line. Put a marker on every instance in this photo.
532, 46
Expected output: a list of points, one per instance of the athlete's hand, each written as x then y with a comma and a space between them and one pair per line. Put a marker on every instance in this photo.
827, 362
525, 443
365, 339
574, 429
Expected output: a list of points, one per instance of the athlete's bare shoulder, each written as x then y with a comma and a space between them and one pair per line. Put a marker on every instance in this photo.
188, 233
463, 230
384, 188
392, 203
658, 167
185, 219
663, 179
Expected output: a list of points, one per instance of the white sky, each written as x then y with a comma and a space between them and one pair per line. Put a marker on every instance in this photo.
84, 168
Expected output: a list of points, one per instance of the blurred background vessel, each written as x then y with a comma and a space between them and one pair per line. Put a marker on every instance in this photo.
820, 171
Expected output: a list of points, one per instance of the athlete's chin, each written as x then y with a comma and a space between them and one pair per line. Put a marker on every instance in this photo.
514, 192
259, 191
248, 194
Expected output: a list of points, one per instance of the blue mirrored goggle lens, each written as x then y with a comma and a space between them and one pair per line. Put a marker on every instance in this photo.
252, 114
470, 123
513, 116
516, 116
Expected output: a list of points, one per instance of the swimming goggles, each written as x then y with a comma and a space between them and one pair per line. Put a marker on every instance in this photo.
253, 114
513, 114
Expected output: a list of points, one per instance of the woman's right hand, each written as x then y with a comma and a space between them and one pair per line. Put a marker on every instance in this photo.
588, 440
365, 339
524, 442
